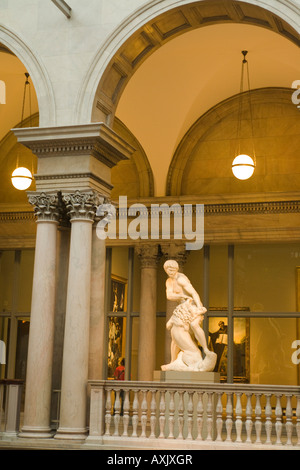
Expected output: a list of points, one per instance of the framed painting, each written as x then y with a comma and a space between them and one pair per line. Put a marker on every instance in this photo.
116, 323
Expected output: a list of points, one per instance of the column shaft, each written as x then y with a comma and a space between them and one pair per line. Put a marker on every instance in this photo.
97, 316
73, 409
40, 348
147, 322
76, 340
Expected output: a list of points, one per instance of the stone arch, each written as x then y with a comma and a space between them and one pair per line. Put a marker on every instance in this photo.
155, 23
201, 164
38, 74
132, 177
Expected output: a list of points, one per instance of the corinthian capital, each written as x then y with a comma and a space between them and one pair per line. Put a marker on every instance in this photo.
82, 204
47, 206
148, 254
175, 251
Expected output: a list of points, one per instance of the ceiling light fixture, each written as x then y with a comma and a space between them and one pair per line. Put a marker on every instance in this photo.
243, 165
21, 177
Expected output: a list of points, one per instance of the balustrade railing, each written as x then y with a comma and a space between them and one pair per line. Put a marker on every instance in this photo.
164, 414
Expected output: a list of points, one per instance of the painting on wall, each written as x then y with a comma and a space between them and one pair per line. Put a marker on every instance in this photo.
218, 342
116, 323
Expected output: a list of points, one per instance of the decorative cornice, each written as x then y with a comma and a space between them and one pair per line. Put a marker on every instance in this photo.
74, 176
275, 207
247, 208
95, 139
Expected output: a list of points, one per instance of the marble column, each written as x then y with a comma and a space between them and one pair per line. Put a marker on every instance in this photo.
81, 207
97, 312
177, 252
63, 248
40, 349
149, 257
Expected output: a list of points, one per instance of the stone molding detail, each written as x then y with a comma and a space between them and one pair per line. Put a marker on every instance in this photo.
74, 176
47, 207
82, 205
148, 254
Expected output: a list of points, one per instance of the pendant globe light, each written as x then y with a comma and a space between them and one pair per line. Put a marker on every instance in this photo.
243, 164
21, 177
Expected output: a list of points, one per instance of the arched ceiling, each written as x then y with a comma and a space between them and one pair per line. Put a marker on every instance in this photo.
12, 72
193, 72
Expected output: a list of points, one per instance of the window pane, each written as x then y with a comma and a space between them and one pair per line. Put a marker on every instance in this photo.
22, 348
4, 345
119, 279
265, 277
25, 280
160, 341
218, 281
6, 279
193, 269
271, 351
218, 342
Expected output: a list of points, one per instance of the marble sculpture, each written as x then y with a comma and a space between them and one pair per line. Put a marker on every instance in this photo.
184, 324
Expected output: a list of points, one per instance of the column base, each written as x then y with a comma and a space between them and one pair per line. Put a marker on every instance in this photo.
79, 434
36, 432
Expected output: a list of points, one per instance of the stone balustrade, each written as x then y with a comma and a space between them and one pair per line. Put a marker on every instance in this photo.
160, 415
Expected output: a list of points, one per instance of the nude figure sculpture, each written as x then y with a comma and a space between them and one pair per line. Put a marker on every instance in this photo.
184, 324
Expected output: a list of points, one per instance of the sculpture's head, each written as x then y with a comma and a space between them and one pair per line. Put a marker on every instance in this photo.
171, 267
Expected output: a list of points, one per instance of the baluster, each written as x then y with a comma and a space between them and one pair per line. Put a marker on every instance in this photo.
153, 413
278, 424
229, 416
268, 424
298, 420
190, 415
144, 409
249, 422
238, 420
209, 418
117, 408
108, 412
219, 420
288, 424
135, 415
180, 415
162, 411
258, 424
200, 415
171, 417
126, 409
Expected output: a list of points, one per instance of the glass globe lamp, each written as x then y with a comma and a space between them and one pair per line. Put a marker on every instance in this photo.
243, 167
21, 178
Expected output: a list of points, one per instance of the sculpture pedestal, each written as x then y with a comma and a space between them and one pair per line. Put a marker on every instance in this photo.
191, 377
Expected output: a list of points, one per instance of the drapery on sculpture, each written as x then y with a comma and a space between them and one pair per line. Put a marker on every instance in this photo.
184, 324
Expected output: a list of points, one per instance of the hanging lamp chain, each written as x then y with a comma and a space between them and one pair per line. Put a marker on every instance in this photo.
245, 65
26, 85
